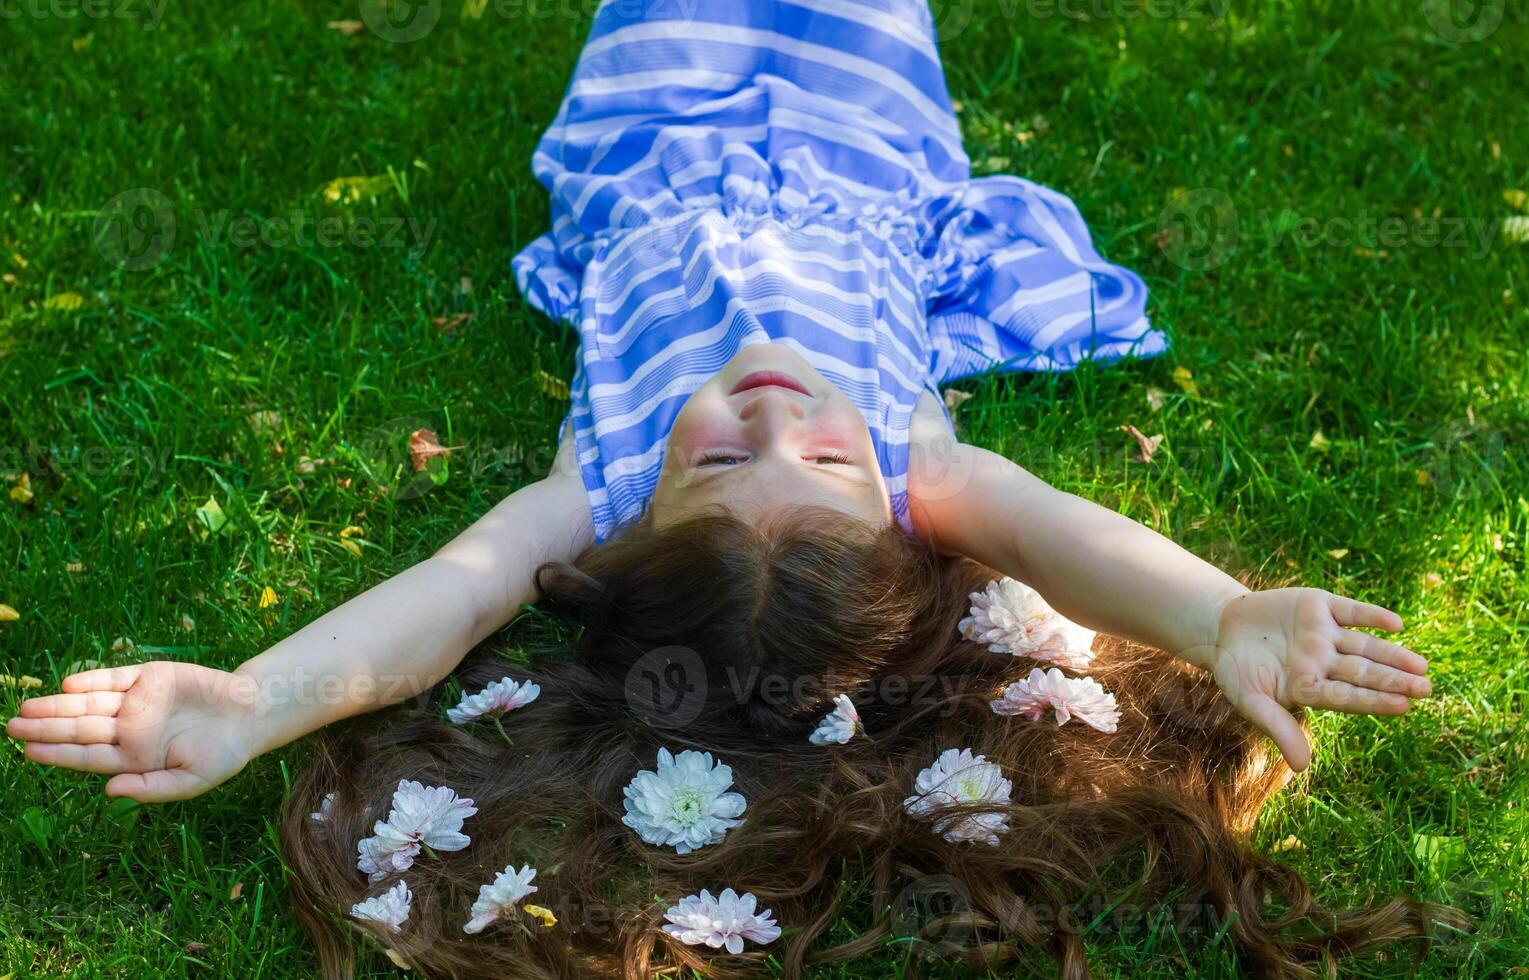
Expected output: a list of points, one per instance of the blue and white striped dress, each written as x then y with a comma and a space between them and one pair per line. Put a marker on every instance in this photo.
735, 172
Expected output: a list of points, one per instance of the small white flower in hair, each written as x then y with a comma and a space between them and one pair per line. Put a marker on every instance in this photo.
684, 802
505, 694
422, 816
839, 725
391, 908
1010, 617
724, 921
500, 896
1070, 697
320, 817
958, 778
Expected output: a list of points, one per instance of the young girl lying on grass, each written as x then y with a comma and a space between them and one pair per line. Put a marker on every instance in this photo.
764, 532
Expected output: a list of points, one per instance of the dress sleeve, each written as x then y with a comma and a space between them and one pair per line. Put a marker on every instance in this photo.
546, 280
1019, 286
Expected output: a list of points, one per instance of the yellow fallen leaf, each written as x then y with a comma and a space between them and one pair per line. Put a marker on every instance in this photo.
1517, 199
352, 190
398, 960
9, 279
473, 9
123, 644
353, 531
8, 614
351, 546
1432, 580
75, 567
19, 259
350, 28
1423, 477
1319, 442
25, 682
543, 915
22, 491
187, 623
81, 43
1185, 379
268, 597
552, 387
1337, 552
1516, 229
64, 301
1291, 843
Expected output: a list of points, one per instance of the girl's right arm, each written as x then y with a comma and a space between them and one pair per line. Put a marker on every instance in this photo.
169, 730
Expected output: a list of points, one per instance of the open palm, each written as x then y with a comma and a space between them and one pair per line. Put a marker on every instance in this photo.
163, 730
1282, 648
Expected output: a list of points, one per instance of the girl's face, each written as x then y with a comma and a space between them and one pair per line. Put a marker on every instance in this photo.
766, 434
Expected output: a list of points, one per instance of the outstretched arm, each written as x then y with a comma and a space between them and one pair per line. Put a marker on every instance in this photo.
1269, 651
169, 730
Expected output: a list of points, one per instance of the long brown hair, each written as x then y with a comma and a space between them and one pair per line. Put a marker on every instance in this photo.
718, 636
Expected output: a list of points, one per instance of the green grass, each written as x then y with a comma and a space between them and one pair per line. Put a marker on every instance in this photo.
132, 410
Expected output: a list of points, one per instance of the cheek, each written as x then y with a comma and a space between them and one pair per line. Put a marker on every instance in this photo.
700, 424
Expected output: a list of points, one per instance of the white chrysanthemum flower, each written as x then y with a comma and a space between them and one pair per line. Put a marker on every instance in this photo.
500, 896
684, 803
958, 777
391, 908
1071, 697
1010, 617
422, 816
726, 920
505, 694
839, 725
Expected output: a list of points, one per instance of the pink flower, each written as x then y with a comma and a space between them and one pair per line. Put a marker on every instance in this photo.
839, 725
726, 920
1010, 617
505, 694
1071, 697
422, 816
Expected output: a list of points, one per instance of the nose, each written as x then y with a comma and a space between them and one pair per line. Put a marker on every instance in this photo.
770, 413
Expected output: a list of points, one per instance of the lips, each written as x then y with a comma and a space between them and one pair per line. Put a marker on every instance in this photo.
770, 379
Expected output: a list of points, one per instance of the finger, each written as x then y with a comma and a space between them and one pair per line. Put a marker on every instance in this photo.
72, 705
104, 679
160, 786
87, 730
1352, 612
1281, 726
1343, 696
1365, 673
85, 758
1381, 651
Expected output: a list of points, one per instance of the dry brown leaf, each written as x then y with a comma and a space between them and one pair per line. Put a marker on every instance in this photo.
1155, 398
187, 623
75, 567
350, 28
424, 446
123, 644
955, 398
449, 324
1146, 445
236, 891
1432, 580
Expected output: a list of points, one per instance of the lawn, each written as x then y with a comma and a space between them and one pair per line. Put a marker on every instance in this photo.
212, 355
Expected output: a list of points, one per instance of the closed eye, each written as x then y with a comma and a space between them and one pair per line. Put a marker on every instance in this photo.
827, 458
721, 459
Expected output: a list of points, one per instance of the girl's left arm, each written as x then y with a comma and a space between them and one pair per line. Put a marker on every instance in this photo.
1269, 651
